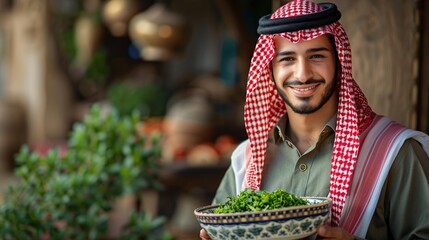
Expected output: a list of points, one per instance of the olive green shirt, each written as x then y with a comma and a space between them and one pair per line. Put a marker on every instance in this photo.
402, 211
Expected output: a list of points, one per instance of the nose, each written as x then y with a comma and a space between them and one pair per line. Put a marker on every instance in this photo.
303, 71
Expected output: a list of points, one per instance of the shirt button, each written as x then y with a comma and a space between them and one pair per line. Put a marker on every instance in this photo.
302, 167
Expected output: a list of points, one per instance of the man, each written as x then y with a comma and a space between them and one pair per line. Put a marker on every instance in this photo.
312, 132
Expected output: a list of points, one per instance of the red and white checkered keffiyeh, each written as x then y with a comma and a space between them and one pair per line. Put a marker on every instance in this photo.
264, 106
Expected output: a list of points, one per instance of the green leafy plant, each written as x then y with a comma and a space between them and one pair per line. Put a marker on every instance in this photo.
68, 195
149, 98
258, 200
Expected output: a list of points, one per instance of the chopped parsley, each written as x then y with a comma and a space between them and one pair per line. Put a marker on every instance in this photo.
258, 200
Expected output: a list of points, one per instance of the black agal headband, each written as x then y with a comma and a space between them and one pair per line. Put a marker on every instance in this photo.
290, 24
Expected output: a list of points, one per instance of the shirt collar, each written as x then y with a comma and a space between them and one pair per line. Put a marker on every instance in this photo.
280, 135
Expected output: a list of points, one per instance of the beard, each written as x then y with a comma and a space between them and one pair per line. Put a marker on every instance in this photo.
304, 106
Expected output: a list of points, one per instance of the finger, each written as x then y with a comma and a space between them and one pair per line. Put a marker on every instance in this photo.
204, 235
326, 232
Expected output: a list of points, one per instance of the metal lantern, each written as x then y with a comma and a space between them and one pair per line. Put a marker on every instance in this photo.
118, 13
159, 33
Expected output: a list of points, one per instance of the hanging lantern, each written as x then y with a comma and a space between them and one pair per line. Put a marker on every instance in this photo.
117, 14
159, 33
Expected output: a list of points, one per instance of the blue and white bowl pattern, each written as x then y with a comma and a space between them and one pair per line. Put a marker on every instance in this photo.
286, 223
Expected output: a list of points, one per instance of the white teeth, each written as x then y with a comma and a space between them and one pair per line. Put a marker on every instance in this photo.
304, 89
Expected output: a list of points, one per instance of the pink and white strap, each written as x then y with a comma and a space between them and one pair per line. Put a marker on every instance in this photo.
380, 147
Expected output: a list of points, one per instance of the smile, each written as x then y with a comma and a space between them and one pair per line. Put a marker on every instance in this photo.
304, 90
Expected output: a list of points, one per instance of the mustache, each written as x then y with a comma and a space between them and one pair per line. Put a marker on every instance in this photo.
297, 82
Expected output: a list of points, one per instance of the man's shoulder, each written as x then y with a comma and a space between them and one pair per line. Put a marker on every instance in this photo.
387, 134
412, 148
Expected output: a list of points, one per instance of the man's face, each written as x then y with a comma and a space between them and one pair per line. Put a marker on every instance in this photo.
304, 73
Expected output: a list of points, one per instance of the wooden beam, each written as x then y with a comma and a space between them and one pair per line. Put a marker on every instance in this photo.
423, 100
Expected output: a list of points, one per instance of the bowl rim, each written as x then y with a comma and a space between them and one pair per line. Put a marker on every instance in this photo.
325, 201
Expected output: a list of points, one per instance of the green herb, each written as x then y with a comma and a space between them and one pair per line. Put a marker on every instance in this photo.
70, 195
258, 200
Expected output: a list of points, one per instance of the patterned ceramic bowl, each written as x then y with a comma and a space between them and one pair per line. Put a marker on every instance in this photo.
285, 223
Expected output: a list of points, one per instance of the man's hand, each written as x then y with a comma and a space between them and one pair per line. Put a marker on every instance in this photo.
326, 232
204, 235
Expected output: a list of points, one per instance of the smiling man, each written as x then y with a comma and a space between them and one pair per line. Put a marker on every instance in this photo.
304, 75
312, 132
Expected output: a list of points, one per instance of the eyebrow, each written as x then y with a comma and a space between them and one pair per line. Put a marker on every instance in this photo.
311, 50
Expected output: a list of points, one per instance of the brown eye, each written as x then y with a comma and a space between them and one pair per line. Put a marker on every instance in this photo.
317, 56
287, 59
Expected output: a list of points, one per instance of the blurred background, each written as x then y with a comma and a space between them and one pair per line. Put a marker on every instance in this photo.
183, 64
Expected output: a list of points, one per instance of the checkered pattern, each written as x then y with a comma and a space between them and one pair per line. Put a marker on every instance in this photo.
264, 106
